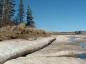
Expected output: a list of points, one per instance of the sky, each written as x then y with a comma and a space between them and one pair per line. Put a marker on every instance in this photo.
59, 15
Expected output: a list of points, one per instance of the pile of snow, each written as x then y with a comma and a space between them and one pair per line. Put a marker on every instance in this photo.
15, 48
67, 53
46, 60
53, 58
60, 57
62, 38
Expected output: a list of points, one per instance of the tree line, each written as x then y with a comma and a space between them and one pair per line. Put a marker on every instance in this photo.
8, 11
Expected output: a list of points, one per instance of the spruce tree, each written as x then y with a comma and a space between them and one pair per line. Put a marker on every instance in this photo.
11, 6
21, 11
16, 20
4, 12
30, 21
8, 11
1, 6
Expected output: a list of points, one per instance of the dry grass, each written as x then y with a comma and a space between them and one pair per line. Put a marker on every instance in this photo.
21, 32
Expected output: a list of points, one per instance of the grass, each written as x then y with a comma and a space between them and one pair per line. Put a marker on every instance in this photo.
20, 32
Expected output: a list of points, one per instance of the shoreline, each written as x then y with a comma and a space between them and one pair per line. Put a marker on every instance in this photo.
59, 48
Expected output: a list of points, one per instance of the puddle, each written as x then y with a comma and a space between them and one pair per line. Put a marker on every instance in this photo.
83, 44
82, 56
73, 41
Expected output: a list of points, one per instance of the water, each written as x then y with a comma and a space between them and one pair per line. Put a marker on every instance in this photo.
83, 44
73, 41
82, 56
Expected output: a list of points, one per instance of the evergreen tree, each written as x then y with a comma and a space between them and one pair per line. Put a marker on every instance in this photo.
1, 6
30, 21
16, 20
7, 11
21, 11
11, 6
4, 12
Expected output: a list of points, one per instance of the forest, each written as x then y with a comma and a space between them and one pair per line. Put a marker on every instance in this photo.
10, 16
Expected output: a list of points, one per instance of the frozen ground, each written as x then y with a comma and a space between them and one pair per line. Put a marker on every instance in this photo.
10, 49
49, 50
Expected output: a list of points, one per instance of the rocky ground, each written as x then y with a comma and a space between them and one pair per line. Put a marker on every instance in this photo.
56, 49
